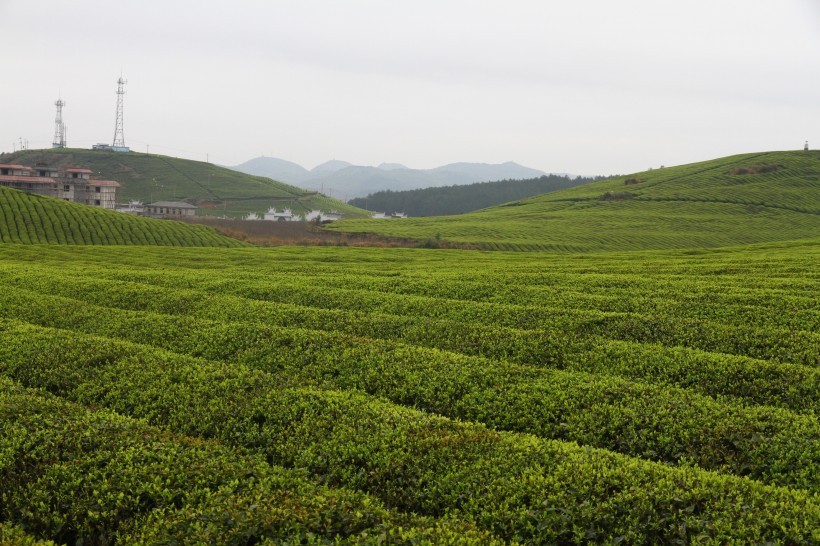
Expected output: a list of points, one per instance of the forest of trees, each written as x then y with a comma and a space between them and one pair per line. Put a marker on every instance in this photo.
459, 199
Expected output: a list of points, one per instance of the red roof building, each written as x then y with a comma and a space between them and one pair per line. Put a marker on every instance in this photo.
72, 184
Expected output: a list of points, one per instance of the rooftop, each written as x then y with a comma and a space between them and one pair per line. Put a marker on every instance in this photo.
29, 179
172, 204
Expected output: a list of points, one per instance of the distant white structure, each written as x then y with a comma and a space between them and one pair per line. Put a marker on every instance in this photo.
388, 215
280, 216
132, 207
252, 216
319, 216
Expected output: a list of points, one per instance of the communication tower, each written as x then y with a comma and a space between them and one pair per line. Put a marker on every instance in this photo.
119, 139
59, 126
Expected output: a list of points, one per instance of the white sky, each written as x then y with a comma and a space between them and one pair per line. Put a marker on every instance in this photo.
579, 86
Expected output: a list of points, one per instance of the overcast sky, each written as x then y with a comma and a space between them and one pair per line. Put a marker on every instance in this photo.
579, 86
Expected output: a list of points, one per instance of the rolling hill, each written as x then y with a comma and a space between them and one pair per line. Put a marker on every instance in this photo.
33, 219
743, 199
216, 190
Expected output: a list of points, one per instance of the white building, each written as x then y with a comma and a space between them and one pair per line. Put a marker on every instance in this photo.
319, 216
388, 215
280, 216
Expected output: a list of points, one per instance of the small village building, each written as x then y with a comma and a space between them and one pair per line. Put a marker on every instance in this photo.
320, 216
132, 207
15, 170
280, 216
383, 215
169, 209
75, 185
102, 193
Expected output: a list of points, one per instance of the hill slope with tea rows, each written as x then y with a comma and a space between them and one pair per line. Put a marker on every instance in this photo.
743, 199
393, 395
27, 218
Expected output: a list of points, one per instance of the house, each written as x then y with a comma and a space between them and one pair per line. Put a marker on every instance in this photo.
320, 216
75, 185
102, 193
388, 215
280, 216
132, 207
169, 209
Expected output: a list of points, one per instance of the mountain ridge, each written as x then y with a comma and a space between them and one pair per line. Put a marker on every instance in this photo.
349, 181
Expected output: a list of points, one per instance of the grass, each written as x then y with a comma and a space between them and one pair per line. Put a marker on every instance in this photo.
708, 204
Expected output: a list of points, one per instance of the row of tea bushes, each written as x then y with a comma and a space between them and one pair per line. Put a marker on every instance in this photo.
93, 477
518, 487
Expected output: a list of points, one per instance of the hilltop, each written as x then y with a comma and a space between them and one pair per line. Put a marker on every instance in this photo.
151, 177
33, 219
344, 178
742, 199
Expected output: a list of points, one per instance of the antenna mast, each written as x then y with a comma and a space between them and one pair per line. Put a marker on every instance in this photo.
119, 139
59, 127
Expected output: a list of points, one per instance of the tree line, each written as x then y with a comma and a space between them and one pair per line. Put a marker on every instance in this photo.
458, 199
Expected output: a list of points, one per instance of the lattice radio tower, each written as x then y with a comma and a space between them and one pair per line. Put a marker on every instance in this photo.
119, 139
59, 126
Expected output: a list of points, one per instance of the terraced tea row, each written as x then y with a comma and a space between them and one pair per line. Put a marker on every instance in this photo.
687, 300
516, 486
27, 219
96, 477
655, 422
543, 343
334, 362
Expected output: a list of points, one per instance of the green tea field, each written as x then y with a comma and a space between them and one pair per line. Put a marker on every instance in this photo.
155, 395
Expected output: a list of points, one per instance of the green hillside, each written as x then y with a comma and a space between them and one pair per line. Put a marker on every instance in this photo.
332, 395
31, 219
216, 190
742, 199
460, 199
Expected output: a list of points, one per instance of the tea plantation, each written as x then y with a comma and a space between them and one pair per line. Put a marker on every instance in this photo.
156, 395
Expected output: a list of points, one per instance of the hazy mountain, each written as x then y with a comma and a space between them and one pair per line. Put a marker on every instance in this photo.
344, 180
484, 172
392, 166
328, 167
278, 169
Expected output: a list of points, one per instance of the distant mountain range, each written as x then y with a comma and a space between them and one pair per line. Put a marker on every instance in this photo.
344, 180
